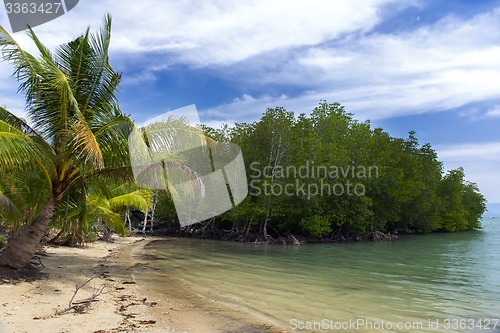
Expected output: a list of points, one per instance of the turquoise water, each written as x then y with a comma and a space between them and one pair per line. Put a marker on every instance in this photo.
450, 280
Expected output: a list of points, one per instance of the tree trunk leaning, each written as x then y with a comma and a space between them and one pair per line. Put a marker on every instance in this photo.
21, 248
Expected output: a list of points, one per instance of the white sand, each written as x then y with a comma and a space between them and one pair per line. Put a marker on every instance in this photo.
31, 307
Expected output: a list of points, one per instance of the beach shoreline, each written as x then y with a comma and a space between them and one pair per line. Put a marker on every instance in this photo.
185, 309
129, 303
31, 307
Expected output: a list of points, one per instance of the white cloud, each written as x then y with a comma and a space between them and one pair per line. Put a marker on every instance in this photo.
477, 113
485, 151
378, 100
323, 47
142, 77
493, 112
444, 66
151, 35
217, 32
480, 162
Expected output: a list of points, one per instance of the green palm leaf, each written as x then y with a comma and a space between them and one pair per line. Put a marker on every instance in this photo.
19, 151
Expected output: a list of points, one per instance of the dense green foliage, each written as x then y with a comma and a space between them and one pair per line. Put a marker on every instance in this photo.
67, 168
328, 175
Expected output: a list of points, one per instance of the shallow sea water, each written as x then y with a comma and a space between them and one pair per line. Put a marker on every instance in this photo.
424, 283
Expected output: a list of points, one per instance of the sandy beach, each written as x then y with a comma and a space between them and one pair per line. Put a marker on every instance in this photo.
127, 303
31, 307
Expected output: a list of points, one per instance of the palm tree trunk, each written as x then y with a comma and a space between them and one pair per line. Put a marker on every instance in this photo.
21, 248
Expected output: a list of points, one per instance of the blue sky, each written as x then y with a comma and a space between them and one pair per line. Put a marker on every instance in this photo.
431, 66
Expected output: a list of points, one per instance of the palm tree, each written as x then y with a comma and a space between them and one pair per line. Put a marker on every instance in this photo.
111, 209
105, 206
22, 197
76, 132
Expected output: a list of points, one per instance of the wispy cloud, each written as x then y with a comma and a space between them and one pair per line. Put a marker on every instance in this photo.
477, 113
493, 112
447, 65
462, 152
149, 36
218, 32
480, 161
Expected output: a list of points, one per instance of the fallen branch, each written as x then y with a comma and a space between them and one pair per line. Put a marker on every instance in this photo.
82, 305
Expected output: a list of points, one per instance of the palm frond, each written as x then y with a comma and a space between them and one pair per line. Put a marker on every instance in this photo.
174, 135
9, 212
109, 176
85, 144
19, 151
23, 195
102, 88
139, 199
112, 132
21, 125
26, 66
16, 122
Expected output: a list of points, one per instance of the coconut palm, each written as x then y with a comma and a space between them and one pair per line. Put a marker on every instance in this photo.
22, 197
75, 130
105, 207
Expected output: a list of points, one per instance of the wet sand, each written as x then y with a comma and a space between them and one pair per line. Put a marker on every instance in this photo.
183, 309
